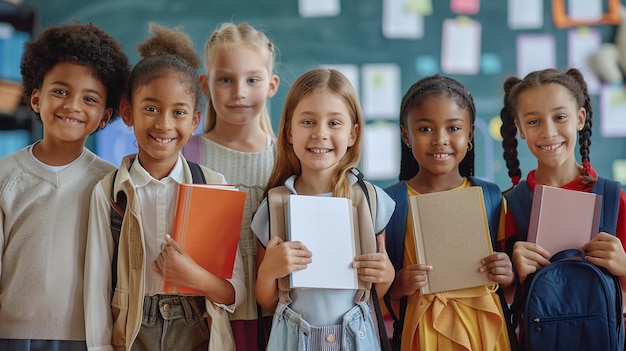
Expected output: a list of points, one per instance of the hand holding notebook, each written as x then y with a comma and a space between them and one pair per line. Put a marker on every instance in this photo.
563, 219
207, 223
451, 235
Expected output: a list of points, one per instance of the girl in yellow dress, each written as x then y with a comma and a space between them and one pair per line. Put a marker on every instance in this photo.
437, 126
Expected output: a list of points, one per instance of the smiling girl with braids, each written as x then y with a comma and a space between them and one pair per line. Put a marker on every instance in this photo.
437, 124
552, 110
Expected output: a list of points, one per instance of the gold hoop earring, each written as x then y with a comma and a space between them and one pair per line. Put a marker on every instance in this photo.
470, 146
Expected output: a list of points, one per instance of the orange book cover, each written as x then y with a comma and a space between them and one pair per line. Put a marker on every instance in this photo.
207, 222
563, 219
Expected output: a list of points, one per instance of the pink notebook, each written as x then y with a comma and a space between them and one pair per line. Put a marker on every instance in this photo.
563, 219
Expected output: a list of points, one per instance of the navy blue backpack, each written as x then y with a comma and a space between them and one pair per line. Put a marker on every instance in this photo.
570, 304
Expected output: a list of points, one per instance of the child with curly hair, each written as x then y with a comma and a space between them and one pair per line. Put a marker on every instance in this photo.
74, 76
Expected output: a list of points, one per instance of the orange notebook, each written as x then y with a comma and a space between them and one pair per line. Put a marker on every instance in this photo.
563, 219
207, 222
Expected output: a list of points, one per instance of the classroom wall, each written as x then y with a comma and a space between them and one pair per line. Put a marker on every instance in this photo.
353, 37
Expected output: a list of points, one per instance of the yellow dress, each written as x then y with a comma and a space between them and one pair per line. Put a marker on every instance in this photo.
468, 319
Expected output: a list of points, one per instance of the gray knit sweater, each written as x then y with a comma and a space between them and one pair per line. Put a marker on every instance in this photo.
44, 216
248, 171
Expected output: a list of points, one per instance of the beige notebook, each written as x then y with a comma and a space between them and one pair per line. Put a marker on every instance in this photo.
563, 219
452, 235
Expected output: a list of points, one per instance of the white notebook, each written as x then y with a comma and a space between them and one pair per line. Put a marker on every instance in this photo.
325, 226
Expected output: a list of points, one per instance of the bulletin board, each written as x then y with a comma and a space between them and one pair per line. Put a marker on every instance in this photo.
353, 35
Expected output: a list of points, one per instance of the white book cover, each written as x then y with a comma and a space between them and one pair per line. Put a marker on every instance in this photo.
325, 226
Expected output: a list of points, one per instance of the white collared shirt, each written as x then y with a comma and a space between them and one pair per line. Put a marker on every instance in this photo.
158, 203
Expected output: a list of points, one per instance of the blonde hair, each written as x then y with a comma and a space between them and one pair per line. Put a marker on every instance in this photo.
239, 34
314, 82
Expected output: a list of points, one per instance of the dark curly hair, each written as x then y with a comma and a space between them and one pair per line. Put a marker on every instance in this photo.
436, 85
84, 44
574, 82
168, 51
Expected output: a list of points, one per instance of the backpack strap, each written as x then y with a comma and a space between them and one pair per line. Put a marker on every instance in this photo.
197, 176
493, 204
397, 224
610, 191
368, 189
116, 215
277, 208
193, 149
394, 243
520, 200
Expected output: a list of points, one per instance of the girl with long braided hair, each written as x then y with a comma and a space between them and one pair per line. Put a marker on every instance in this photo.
552, 112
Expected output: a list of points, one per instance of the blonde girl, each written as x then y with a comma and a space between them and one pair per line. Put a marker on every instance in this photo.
319, 145
238, 140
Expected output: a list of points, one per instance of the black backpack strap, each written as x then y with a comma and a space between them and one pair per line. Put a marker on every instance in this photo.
197, 175
382, 331
118, 208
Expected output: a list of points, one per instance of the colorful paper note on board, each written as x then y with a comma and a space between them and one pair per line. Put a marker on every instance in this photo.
381, 90
613, 110
400, 21
381, 154
206, 225
465, 7
525, 14
460, 47
582, 43
535, 52
319, 8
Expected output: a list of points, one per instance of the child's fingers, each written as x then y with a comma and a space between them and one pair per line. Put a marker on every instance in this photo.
298, 248
525, 248
371, 257
158, 266
380, 241
172, 243
418, 268
274, 241
367, 263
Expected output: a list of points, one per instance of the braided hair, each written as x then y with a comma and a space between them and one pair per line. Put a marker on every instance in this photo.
436, 85
574, 82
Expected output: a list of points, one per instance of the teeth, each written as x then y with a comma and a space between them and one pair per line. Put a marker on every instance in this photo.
440, 155
69, 119
319, 151
551, 147
164, 141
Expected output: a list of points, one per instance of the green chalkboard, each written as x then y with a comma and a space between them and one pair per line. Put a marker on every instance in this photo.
353, 37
